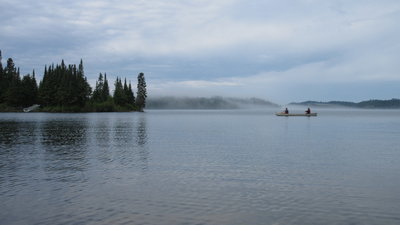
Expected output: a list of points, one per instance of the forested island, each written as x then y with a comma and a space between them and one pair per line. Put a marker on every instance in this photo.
370, 104
64, 88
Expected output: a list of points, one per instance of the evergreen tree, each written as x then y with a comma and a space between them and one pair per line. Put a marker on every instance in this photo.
28, 90
101, 93
10, 84
125, 86
131, 96
34, 87
13, 84
1, 65
141, 92
98, 91
46, 90
106, 89
119, 93
126, 91
80, 69
2, 81
9, 71
82, 88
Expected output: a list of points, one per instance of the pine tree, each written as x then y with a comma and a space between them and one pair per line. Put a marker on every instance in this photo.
141, 92
1, 65
9, 71
131, 96
35, 88
127, 93
12, 84
98, 91
80, 69
28, 90
2, 81
125, 86
102, 92
83, 88
119, 94
106, 90
45, 89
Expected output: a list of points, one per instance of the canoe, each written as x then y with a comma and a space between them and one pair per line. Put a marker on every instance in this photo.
34, 107
295, 114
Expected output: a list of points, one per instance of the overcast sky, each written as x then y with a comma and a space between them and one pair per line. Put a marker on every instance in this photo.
281, 51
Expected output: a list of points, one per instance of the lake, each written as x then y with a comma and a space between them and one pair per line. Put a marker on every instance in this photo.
200, 167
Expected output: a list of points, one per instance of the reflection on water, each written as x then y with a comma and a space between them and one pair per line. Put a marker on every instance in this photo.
62, 145
120, 140
199, 167
65, 146
64, 133
141, 132
17, 132
141, 140
18, 142
102, 131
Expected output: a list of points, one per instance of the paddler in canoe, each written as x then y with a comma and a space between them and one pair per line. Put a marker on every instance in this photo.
286, 111
308, 111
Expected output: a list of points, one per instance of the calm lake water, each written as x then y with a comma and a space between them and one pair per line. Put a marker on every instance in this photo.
200, 167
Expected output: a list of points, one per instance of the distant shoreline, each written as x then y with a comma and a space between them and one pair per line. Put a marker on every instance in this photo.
200, 103
370, 104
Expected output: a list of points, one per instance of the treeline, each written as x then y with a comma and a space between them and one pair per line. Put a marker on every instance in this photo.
64, 88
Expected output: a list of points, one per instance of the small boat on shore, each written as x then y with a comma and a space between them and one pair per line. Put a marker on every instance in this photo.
29, 109
295, 114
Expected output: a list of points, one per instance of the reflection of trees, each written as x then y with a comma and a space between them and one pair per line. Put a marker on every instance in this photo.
17, 147
16, 133
141, 132
103, 139
123, 142
123, 134
68, 134
127, 146
64, 143
8, 134
142, 141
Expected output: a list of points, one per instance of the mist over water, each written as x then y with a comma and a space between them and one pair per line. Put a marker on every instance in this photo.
200, 167
217, 102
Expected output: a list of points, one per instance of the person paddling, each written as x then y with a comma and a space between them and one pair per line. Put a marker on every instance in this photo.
286, 111
308, 111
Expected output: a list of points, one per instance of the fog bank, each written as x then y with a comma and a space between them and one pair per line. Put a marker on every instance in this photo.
170, 102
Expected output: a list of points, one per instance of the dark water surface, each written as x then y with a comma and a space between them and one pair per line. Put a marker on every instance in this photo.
200, 167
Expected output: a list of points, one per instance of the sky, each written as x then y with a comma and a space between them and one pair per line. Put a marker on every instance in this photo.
282, 51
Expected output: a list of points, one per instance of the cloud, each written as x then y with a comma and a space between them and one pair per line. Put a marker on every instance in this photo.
212, 46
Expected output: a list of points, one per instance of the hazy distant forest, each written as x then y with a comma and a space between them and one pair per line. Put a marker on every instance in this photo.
64, 88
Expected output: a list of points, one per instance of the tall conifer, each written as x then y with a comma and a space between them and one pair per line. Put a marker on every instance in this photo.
1, 67
119, 94
106, 89
131, 96
141, 92
2, 81
98, 91
13, 81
